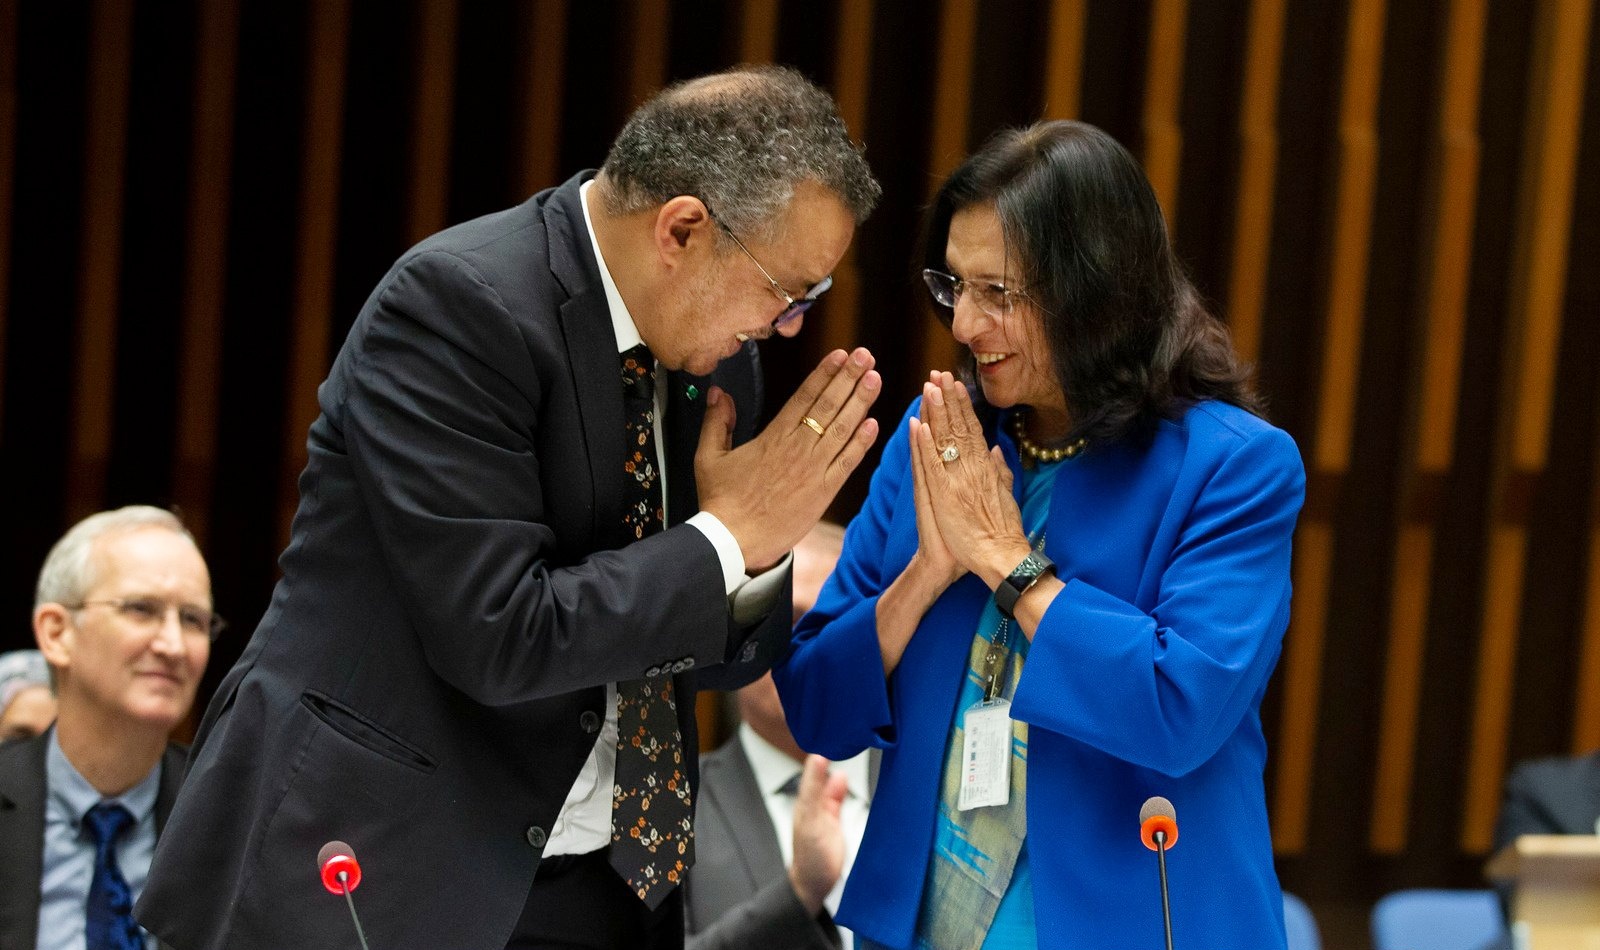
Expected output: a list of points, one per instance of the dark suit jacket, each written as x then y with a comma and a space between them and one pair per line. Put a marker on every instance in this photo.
737, 894
428, 679
22, 798
1550, 797
1558, 796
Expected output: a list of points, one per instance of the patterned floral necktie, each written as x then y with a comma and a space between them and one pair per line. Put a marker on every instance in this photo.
652, 838
108, 921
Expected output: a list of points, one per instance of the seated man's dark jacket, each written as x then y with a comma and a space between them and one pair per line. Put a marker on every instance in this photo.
23, 791
458, 588
738, 893
1555, 796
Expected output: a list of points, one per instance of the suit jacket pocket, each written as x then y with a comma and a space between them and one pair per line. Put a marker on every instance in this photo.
366, 733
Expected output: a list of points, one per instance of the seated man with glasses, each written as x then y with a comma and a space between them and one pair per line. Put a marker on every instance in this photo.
123, 615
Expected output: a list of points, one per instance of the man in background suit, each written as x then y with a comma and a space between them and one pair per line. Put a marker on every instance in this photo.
1553, 796
777, 830
123, 615
479, 667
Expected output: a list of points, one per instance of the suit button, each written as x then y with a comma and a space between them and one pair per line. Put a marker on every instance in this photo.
589, 722
652, 672
536, 836
680, 666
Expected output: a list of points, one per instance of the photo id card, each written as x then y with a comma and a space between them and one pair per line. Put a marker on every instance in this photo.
986, 755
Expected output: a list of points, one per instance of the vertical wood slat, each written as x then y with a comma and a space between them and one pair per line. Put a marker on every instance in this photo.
105, 149
1063, 71
758, 31
1258, 169
1538, 284
8, 166
543, 89
429, 191
205, 263
852, 81
651, 36
1586, 715
314, 243
1163, 98
1346, 301
947, 145
1453, 185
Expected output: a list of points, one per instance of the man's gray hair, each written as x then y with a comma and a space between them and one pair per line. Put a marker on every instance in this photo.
740, 141
68, 573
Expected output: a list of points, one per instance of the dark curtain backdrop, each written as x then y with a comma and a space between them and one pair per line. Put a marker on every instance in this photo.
1390, 202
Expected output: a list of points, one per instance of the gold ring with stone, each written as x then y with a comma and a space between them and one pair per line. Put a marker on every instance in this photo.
813, 425
950, 454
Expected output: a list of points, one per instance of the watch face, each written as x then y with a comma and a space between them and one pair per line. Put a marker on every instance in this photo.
1032, 565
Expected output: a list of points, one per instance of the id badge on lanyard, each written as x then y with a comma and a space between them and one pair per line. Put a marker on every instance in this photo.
986, 749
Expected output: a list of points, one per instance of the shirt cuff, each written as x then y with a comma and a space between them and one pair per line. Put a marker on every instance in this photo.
728, 553
758, 596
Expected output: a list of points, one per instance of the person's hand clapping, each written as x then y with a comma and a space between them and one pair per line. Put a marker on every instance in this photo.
818, 833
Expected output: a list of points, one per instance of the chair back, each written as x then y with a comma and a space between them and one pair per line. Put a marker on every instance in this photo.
1424, 919
1300, 925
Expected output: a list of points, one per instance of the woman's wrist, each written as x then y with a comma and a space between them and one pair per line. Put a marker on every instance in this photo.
1000, 559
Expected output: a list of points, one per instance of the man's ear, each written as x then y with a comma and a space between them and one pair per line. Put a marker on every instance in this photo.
54, 631
682, 225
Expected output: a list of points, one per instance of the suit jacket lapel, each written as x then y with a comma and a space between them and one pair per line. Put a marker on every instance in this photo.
747, 815
591, 352
22, 794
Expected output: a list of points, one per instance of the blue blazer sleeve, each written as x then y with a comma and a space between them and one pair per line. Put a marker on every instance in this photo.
1164, 684
832, 683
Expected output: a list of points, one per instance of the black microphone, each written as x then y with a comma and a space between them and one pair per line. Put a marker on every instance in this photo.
1158, 827
341, 874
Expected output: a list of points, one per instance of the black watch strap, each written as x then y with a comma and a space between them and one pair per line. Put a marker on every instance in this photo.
1027, 574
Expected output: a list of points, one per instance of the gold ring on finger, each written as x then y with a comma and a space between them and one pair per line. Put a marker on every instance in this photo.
813, 425
950, 454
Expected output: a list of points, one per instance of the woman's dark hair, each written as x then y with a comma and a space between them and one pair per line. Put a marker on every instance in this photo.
1130, 339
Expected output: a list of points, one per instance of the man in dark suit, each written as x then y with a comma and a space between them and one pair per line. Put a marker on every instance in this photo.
776, 830
123, 616
1554, 796
480, 665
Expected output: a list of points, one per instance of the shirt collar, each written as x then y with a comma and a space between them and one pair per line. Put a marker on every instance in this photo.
76, 795
774, 768
622, 324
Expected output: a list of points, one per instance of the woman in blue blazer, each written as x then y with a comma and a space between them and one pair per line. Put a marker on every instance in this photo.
1065, 594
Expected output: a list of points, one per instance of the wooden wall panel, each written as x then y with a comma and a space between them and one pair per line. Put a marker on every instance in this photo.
111, 55
841, 328
1538, 278
205, 265
1063, 70
1432, 432
317, 228
430, 134
1163, 93
8, 165
1329, 459
542, 94
299, 184
1258, 166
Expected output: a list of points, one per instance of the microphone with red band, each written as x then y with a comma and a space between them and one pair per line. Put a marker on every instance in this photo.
1158, 828
341, 874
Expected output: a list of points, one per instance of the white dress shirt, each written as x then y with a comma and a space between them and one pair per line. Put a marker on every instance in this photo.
69, 848
584, 824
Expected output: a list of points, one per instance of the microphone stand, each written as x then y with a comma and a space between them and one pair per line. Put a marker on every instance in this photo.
1166, 908
344, 885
